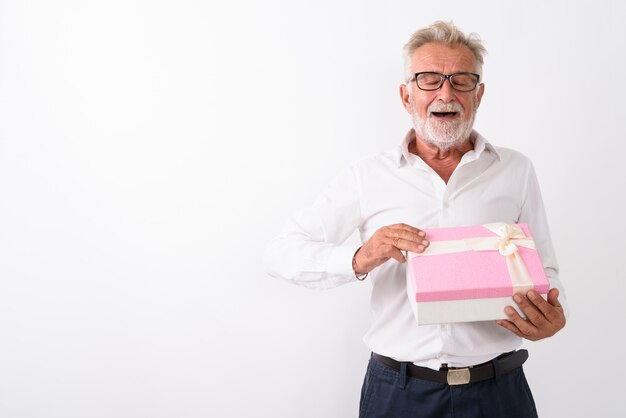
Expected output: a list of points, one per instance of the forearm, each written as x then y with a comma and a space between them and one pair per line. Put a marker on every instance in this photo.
310, 251
311, 264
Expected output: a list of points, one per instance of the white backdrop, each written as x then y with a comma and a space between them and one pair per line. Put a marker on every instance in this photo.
150, 149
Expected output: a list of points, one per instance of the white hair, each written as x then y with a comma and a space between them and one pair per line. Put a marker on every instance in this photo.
445, 33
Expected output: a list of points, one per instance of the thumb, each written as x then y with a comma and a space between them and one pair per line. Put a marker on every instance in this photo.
553, 297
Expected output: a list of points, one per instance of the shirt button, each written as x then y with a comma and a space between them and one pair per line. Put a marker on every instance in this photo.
445, 205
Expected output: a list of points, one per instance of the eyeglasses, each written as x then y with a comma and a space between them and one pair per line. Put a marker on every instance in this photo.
431, 81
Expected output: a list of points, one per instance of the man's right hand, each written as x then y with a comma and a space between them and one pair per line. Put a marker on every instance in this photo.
389, 242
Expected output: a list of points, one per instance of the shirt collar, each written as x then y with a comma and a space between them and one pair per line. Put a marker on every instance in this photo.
480, 145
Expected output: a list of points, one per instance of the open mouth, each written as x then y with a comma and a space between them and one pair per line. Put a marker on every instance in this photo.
444, 115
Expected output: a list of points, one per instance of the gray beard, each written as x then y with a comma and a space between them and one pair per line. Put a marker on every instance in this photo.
443, 135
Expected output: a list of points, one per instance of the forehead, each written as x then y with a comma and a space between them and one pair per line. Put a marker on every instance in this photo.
443, 58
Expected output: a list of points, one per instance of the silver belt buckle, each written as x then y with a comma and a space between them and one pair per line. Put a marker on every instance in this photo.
458, 376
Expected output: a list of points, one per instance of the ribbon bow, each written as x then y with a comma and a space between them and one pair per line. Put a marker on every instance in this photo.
510, 237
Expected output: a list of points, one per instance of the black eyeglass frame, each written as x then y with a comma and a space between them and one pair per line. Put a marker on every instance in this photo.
443, 78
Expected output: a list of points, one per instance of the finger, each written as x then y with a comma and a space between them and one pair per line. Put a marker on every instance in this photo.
408, 228
547, 309
409, 240
403, 233
527, 328
406, 232
511, 327
556, 315
403, 244
532, 313
393, 252
552, 312
553, 298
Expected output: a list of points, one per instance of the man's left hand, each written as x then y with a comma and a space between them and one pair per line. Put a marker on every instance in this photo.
543, 318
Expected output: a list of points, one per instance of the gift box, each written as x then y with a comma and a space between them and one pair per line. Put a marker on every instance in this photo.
470, 273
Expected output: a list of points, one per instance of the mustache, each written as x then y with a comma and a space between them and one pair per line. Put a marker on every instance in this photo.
445, 107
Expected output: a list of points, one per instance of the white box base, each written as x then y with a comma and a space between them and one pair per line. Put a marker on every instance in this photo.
450, 311
465, 310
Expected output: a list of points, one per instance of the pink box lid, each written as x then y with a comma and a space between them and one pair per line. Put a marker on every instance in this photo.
470, 274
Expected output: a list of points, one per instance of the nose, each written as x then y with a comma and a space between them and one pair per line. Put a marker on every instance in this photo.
446, 92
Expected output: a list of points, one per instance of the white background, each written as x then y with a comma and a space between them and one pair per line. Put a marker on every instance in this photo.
150, 149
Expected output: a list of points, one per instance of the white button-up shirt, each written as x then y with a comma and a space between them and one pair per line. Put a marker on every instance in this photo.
490, 184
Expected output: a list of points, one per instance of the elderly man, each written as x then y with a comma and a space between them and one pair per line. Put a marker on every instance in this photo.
442, 174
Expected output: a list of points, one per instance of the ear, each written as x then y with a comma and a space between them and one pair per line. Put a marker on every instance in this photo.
404, 96
479, 95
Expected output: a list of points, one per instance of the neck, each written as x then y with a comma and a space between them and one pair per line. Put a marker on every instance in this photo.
429, 152
442, 162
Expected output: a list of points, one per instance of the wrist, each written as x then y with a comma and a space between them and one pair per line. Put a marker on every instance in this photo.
355, 268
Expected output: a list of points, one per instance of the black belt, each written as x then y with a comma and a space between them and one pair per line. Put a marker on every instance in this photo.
459, 376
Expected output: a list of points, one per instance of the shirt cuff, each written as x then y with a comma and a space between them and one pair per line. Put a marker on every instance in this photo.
340, 260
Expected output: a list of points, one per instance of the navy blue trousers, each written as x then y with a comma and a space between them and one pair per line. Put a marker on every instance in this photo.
390, 394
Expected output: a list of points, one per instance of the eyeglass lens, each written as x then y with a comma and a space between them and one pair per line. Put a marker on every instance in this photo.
460, 81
